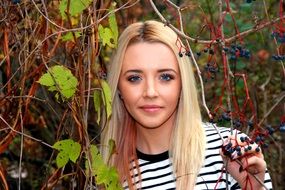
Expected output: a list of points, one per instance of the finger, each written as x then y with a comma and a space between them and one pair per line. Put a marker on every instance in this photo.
253, 164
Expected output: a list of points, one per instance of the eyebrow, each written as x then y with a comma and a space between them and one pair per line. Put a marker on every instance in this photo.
140, 71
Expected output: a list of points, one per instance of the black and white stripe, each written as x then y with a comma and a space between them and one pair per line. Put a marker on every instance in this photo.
157, 171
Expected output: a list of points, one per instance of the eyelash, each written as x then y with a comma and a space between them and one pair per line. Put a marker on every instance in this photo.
134, 78
164, 77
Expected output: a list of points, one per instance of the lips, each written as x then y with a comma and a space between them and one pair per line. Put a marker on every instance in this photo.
151, 108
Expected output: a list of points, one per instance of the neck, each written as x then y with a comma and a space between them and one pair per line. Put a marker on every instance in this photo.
154, 141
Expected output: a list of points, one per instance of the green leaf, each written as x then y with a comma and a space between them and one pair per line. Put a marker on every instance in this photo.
104, 174
75, 7
46, 80
74, 151
114, 26
68, 150
63, 145
60, 79
69, 36
97, 104
112, 147
61, 159
113, 179
107, 100
107, 36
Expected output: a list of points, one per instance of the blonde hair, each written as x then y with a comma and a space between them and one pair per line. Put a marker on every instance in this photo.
188, 139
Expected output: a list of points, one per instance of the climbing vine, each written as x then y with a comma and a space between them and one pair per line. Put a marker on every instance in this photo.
54, 56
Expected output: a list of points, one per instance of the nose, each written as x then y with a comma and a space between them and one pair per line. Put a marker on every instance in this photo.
150, 90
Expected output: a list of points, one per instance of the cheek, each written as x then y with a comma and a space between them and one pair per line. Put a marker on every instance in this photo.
130, 94
173, 93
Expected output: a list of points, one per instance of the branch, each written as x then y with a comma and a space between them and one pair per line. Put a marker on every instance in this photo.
282, 96
21, 133
226, 40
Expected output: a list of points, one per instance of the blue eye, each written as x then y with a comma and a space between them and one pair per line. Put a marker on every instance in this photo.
134, 78
166, 77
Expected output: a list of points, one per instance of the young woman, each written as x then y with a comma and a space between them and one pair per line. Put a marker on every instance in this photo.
156, 121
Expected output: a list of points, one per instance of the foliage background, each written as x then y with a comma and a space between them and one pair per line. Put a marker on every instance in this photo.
32, 40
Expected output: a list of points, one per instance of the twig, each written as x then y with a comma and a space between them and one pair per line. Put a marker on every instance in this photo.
46, 17
21, 151
64, 31
282, 96
21, 133
227, 40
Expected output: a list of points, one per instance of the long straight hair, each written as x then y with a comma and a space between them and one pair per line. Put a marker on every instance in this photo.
187, 147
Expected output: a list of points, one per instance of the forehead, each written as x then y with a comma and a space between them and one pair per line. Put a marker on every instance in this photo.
149, 55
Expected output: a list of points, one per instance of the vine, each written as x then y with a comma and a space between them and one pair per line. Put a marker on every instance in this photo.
53, 59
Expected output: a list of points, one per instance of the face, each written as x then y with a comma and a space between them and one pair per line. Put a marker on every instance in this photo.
150, 84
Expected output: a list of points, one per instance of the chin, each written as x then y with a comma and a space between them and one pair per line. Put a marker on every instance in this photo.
151, 125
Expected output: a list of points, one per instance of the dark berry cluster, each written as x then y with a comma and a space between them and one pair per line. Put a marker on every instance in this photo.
282, 127
278, 57
16, 1
211, 67
206, 50
225, 116
249, 1
236, 51
187, 53
279, 36
228, 149
236, 151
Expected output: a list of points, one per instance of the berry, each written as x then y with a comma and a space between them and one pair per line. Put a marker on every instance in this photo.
249, 147
226, 116
248, 1
233, 58
275, 57
211, 51
282, 127
205, 50
250, 124
242, 139
188, 53
198, 54
237, 123
180, 54
265, 145
258, 139
238, 149
239, 47
270, 130
226, 49
257, 149
229, 145
239, 153
16, 1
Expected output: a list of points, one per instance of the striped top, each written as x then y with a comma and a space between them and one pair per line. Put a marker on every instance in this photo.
157, 172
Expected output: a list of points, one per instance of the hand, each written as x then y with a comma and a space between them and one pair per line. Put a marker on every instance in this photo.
244, 161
